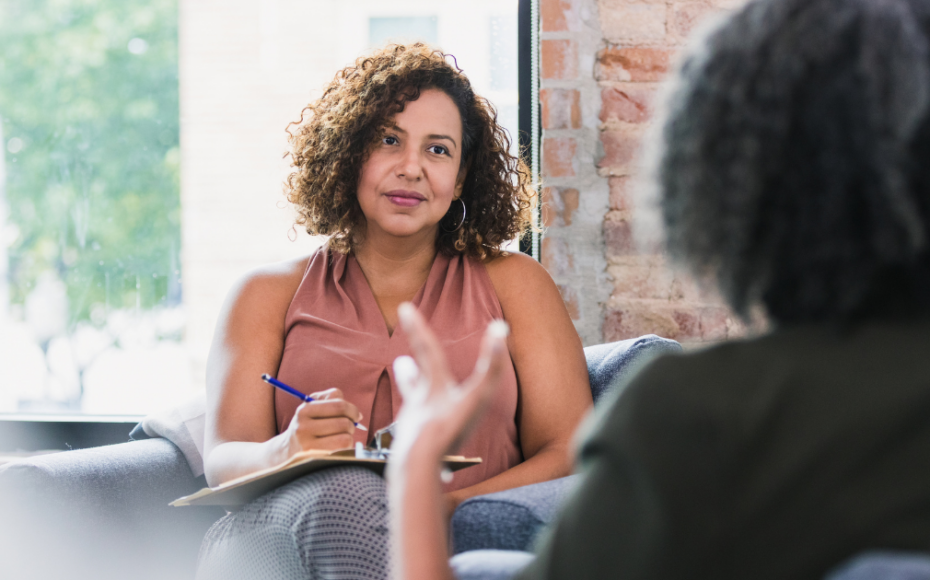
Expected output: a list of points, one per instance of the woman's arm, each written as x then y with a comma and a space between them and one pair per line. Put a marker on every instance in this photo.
436, 415
240, 434
551, 373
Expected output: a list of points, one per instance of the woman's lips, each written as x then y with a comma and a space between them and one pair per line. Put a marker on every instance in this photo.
405, 198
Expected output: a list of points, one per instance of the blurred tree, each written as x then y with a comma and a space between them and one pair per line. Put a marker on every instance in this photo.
89, 105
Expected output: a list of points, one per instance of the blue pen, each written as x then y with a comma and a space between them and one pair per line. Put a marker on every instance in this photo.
292, 391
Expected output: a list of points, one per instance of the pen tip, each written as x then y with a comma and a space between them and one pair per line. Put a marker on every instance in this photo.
265, 376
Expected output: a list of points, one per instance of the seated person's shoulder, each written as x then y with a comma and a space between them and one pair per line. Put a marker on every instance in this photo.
514, 272
270, 285
704, 384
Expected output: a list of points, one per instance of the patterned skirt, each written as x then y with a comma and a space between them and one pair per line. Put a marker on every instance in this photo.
331, 524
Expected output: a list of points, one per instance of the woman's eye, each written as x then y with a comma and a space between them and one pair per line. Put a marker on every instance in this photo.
438, 150
389, 140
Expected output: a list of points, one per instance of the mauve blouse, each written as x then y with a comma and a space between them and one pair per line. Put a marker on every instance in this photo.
335, 336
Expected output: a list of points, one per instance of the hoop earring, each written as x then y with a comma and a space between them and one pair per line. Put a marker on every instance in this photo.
461, 223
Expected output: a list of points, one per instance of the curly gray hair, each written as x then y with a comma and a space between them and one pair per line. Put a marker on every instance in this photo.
794, 163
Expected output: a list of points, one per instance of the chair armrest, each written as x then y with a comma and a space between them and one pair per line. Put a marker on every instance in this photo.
508, 520
611, 365
105, 510
134, 475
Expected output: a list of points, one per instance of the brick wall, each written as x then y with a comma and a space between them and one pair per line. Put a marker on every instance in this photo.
574, 194
602, 62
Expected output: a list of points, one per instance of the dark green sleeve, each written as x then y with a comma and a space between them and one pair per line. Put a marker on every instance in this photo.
649, 504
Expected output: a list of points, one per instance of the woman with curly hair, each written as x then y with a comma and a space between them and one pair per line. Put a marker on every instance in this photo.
792, 171
406, 170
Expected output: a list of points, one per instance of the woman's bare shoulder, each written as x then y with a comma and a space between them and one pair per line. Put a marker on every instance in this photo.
270, 286
516, 275
279, 275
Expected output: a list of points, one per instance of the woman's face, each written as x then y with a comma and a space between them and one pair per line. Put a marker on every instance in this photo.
412, 175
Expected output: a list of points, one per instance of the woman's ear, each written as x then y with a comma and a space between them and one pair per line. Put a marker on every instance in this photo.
460, 179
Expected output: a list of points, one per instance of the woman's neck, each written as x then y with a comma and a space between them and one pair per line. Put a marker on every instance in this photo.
395, 273
378, 263
388, 256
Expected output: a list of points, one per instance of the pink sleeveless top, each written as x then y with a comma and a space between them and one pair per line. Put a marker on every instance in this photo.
335, 336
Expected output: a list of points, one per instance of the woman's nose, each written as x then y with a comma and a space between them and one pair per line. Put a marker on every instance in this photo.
409, 165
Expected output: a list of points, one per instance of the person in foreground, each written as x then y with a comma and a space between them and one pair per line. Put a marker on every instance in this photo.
792, 170
408, 172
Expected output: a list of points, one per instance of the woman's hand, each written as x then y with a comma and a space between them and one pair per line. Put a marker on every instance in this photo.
438, 413
326, 423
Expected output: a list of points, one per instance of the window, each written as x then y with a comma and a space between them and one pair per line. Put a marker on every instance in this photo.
90, 275
141, 172
402, 29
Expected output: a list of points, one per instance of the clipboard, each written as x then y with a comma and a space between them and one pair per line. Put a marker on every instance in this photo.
244, 489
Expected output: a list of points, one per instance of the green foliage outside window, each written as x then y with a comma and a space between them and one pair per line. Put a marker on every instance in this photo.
89, 109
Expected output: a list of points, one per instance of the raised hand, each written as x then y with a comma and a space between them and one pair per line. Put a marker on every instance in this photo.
438, 413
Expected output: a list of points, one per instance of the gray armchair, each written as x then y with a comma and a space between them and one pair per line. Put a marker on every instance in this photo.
103, 512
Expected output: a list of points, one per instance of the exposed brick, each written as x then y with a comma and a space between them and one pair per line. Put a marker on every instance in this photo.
621, 194
686, 288
561, 108
559, 60
715, 323
570, 297
644, 277
559, 156
553, 15
633, 64
550, 210
556, 258
622, 21
685, 17
679, 321
620, 148
570, 198
635, 318
627, 103
689, 323
648, 295
558, 205
729, 4
618, 236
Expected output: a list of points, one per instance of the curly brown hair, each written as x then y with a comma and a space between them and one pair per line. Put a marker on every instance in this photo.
336, 133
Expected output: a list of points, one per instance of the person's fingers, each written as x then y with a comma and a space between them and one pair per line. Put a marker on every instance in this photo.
334, 393
407, 374
329, 408
328, 394
326, 427
426, 348
338, 441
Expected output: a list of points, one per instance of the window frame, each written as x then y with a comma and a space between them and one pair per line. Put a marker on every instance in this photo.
528, 92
